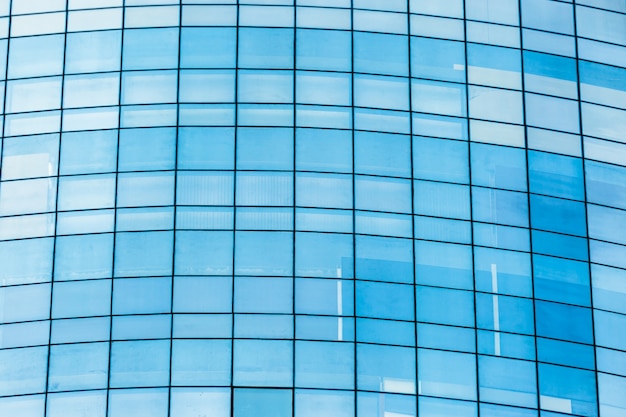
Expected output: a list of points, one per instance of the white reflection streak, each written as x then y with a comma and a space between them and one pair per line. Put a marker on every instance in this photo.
496, 310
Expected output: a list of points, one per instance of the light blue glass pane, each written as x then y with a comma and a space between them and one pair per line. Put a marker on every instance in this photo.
73, 403
324, 255
378, 53
263, 363
78, 366
509, 314
207, 47
610, 387
441, 200
205, 148
561, 280
26, 261
609, 291
29, 157
201, 362
437, 59
326, 88
264, 326
36, 56
144, 253
203, 253
324, 365
324, 296
605, 184
262, 402
324, 190
88, 152
207, 86
382, 300
446, 337
507, 381
204, 188
263, 253
23, 303
323, 150
264, 148
138, 402
494, 66
498, 166
499, 206
265, 86
93, 51
564, 322
447, 374
264, 188
605, 325
567, 390
145, 87
202, 295
277, 295
443, 264
490, 410
81, 298
605, 223
27, 405
23, 371
386, 368
432, 305
382, 154
383, 194
550, 74
151, 326
560, 245
381, 92
557, 175
384, 259
442, 408
33, 94
24, 334
540, 112
265, 48
312, 403
558, 215
565, 353
503, 272
145, 189
389, 332
325, 328
334, 55
140, 363
146, 149
142, 295
443, 160
150, 48
506, 344
191, 402
373, 404
548, 15
497, 11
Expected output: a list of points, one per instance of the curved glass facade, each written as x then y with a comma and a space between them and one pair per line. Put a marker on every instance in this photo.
333, 208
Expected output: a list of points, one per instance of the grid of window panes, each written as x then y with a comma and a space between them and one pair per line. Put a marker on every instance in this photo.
311, 208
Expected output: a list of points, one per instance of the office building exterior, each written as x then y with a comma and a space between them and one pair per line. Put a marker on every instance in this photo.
329, 208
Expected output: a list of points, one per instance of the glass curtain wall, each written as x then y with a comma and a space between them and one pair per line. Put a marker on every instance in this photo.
313, 208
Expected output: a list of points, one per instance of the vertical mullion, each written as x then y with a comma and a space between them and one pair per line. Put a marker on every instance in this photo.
117, 157
293, 241
354, 275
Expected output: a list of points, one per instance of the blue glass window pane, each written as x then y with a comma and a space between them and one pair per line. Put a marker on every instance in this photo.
494, 66
311, 403
265, 48
443, 160
383, 194
202, 295
386, 368
374, 404
503, 272
263, 363
14, 308
437, 59
36, 56
262, 402
26, 261
565, 353
384, 259
447, 374
277, 295
207, 86
150, 48
324, 150
324, 296
324, 255
144, 253
558, 215
443, 264
609, 292
205, 148
71, 403
78, 366
138, 402
378, 53
140, 363
145, 189
324, 190
432, 305
142, 295
201, 362
323, 49
509, 314
23, 371
264, 148
382, 300
188, 402
446, 337
567, 390
548, 15
203, 253
441, 200
324, 365
146, 149
507, 381
561, 280
203, 47
550, 74
564, 322
498, 166
263, 253
81, 298
556, 175
389, 332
